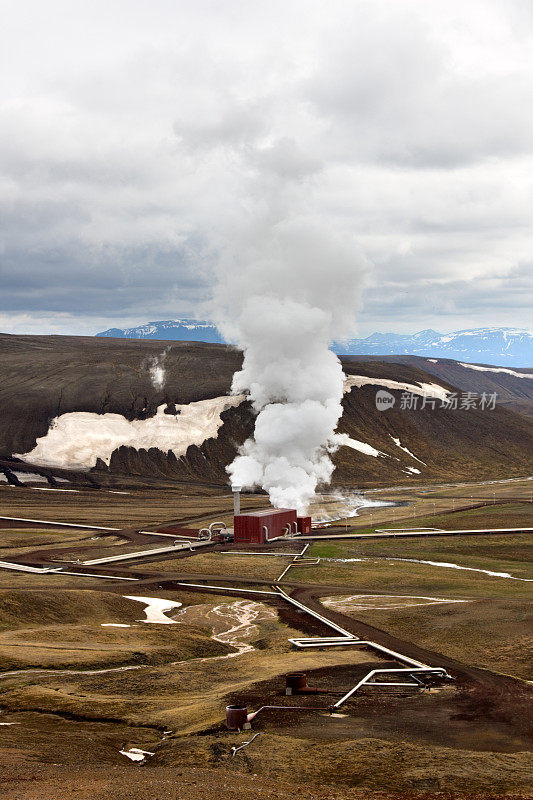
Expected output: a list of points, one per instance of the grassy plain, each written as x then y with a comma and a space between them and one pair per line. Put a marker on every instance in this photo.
409, 745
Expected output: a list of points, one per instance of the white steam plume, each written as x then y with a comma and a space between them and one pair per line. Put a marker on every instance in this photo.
286, 295
156, 369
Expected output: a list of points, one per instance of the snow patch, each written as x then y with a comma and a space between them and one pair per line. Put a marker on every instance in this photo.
156, 608
498, 369
397, 443
424, 389
135, 754
52, 489
344, 440
77, 439
449, 565
114, 625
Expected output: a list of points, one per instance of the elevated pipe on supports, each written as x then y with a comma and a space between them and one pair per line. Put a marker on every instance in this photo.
440, 671
254, 714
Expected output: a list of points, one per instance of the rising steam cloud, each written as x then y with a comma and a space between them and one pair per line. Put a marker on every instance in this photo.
286, 296
155, 365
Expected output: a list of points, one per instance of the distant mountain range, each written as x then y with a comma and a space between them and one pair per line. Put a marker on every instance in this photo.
183, 330
513, 346
508, 346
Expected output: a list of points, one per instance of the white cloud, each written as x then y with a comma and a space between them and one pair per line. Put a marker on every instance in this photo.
135, 140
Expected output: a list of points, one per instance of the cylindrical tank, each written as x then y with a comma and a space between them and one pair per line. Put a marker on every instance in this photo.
295, 681
236, 717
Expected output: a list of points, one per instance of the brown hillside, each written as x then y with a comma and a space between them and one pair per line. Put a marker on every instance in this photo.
45, 376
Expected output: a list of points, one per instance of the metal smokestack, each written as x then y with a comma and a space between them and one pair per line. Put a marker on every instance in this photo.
236, 500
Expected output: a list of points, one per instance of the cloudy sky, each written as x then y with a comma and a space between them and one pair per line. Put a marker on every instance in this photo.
134, 136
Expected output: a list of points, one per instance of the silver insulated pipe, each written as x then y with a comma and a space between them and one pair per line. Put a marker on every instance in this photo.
236, 500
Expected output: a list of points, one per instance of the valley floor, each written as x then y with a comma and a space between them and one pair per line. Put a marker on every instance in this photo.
86, 677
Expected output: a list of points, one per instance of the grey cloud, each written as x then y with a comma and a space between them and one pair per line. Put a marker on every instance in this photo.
398, 98
115, 282
128, 170
285, 159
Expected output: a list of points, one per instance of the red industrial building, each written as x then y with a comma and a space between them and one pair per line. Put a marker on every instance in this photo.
259, 527
304, 524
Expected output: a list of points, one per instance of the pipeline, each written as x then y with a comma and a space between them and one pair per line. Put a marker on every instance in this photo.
235, 750
421, 533
312, 613
299, 559
146, 553
440, 671
345, 638
296, 683
353, 641
254, 714
222, 527
224, 588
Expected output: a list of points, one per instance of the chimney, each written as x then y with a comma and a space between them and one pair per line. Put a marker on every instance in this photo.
236, 500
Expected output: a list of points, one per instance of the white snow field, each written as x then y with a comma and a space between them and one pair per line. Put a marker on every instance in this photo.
344, 440
499, 369
136, 754
156, 608
77, 439
424, 389
398, 444
450, 565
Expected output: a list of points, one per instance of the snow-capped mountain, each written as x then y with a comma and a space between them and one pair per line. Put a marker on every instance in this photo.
184, 330
479, 345
513, 346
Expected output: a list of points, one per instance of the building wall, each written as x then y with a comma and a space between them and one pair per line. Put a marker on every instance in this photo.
250, 527
304, 524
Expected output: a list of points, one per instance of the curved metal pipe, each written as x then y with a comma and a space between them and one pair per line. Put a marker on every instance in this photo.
433, 670
235, 750
223, 526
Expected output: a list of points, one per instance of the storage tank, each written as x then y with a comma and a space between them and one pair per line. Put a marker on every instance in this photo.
295, 682
236, 717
